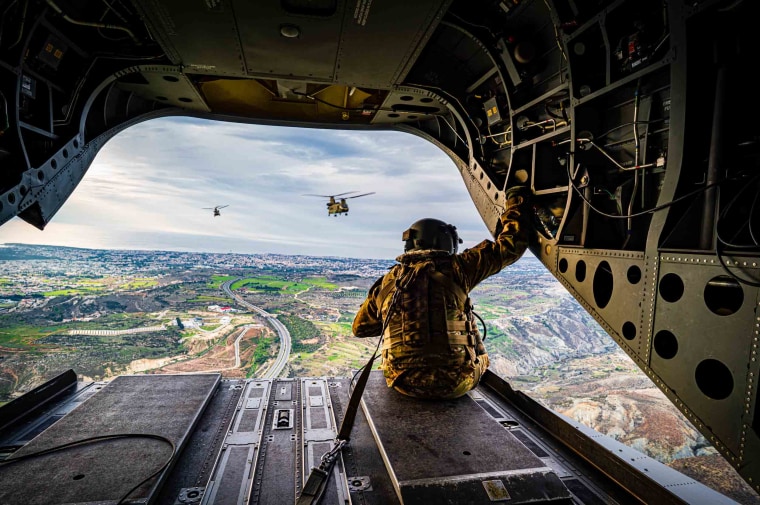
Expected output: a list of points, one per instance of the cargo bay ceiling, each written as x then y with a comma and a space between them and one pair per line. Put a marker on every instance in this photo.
630, 121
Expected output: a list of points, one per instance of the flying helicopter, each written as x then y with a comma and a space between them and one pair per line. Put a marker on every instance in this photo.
216, 209
335, 207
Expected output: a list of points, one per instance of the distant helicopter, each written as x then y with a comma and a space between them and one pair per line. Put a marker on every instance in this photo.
339, 207
216, 209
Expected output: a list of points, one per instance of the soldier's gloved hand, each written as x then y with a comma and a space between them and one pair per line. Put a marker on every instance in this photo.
515, 212
516, 196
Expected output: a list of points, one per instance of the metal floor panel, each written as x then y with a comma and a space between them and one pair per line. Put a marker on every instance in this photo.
104, 471
453, 451
188, 480
235, 468
277, 468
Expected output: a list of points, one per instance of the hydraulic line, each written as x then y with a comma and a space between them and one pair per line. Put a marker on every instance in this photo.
65, 16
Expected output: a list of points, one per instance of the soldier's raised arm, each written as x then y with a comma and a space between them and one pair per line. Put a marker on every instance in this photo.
489, 257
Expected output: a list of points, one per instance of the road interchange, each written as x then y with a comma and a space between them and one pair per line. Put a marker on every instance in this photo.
276, 368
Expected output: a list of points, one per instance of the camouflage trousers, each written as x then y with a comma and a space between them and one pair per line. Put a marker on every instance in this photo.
437, 382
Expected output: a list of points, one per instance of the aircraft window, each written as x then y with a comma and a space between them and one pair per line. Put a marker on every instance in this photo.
723, 295
580, 271
161, 98
76, 144
41, 175
426, 99
671, 288
563, 265
603, 282
633, 274
53, 164
171, 78
665, 344
185, 99
393, 114
629, 330
406, 98
65, 153
11, 198
714, 379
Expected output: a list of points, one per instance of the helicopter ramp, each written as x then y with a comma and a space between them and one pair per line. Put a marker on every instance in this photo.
254, 442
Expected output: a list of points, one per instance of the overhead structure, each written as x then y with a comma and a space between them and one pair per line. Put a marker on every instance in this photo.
629, 119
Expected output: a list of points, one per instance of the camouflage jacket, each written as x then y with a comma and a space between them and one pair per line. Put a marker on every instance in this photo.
417, 335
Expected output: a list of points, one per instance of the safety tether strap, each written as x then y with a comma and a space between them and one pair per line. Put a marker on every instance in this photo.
315, 484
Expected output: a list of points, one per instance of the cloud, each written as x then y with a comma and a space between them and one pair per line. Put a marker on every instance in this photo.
148, 187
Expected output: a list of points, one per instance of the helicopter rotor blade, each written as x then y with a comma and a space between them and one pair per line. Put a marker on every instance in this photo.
330, 196
365, 194
222, 206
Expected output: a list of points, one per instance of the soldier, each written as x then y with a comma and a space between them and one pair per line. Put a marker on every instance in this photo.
431, 346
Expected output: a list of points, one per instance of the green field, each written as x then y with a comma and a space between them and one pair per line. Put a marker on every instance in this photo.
78, 286
217, 281
214, 300
74, 291
498, 340
269, 283
139, 284
336, 329
20, 336
321, 282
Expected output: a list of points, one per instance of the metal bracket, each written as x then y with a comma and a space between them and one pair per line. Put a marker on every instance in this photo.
190, 495
356, 484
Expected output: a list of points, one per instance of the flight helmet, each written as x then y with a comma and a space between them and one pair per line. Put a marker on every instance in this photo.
431, 233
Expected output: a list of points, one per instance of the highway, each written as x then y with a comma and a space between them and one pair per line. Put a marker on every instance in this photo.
282, 357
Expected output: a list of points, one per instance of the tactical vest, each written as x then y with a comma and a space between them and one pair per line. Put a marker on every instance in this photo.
429, 311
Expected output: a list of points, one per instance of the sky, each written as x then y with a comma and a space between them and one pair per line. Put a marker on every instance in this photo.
147, 188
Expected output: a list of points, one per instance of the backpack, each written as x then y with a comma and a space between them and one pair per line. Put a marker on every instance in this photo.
418, 317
